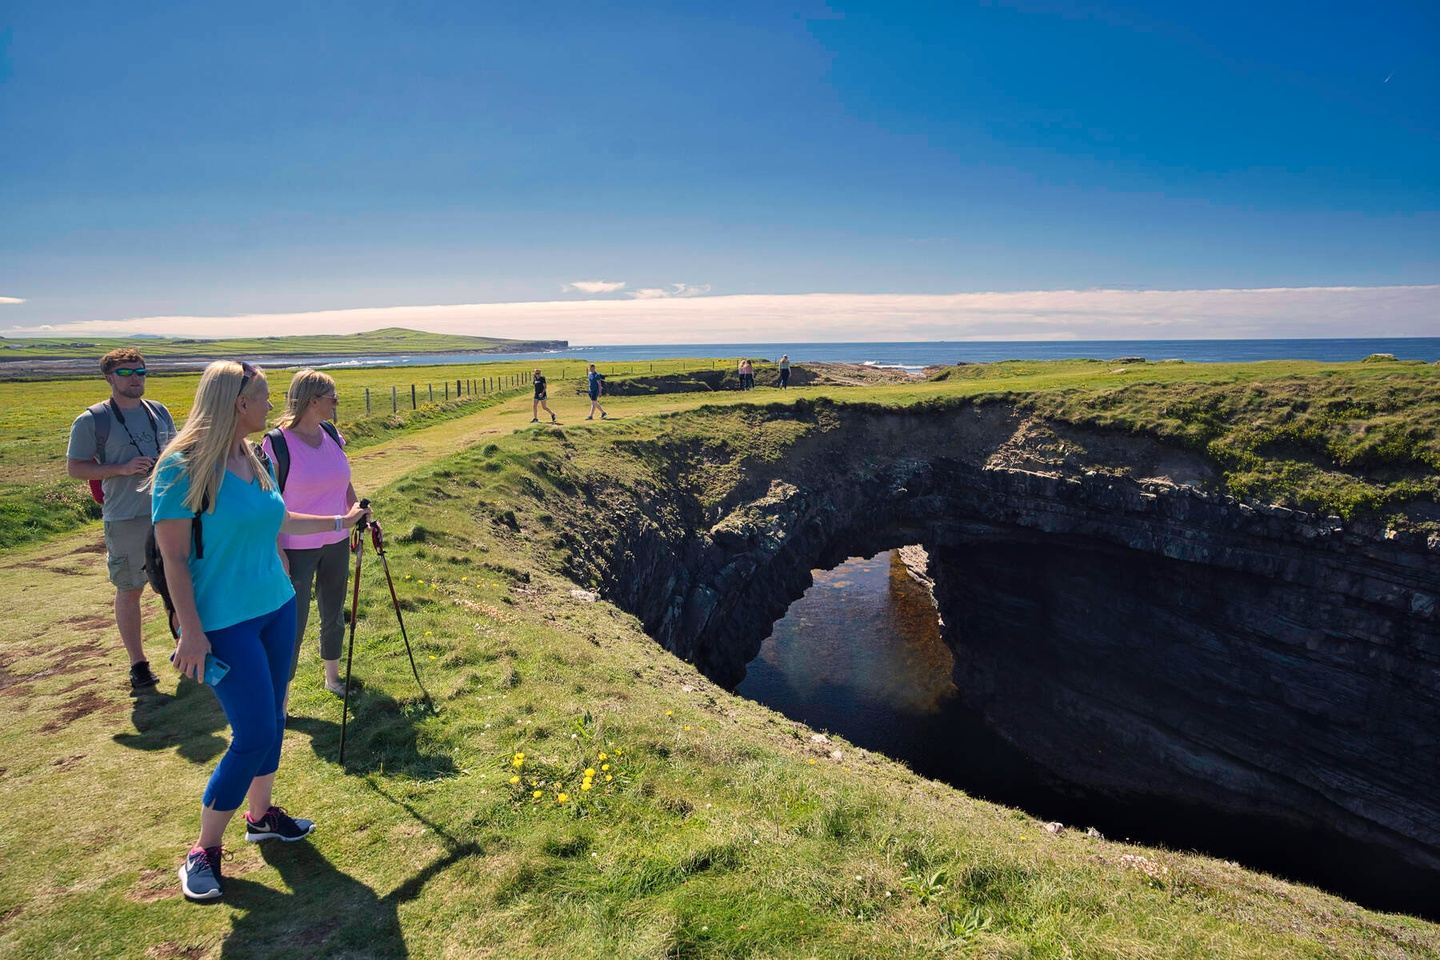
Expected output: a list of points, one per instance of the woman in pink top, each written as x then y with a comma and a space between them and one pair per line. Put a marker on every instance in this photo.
314, 473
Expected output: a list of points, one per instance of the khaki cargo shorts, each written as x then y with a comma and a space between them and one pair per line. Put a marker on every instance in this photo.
125, 550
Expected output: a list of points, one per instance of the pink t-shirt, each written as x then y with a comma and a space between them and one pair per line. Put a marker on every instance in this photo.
318, 481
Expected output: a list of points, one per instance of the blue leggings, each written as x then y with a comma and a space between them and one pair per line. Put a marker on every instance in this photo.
259, 652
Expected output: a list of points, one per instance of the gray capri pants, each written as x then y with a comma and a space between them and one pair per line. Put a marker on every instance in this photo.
328, 568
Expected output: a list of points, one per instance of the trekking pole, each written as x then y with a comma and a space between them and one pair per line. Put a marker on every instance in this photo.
377, 537
357, 546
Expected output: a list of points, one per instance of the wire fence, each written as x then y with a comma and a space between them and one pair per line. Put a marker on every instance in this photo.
410, 396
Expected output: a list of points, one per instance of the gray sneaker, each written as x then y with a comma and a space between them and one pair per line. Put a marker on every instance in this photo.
200, 874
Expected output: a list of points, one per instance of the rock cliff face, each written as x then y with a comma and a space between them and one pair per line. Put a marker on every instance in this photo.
1131, 631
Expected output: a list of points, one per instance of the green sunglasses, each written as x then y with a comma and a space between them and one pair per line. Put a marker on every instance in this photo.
129, 371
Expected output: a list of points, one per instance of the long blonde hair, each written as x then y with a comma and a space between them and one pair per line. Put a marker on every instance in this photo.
305, 386
203, 444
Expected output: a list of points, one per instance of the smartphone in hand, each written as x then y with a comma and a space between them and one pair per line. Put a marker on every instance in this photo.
215, 668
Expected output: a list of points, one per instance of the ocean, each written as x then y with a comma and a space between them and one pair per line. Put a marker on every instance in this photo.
916, 355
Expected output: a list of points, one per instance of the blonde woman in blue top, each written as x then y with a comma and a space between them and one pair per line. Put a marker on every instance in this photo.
235, 603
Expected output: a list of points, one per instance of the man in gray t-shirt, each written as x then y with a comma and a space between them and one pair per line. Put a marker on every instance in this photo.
135, 430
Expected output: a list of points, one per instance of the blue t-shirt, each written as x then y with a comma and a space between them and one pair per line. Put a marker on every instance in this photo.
240, 577
595, 381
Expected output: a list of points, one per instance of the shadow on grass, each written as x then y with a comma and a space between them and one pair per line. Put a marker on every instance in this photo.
382, 736
191, 721
325, 911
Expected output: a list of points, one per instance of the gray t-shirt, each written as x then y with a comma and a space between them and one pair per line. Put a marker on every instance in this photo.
124, 500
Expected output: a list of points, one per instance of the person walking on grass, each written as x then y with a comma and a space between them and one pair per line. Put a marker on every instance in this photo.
596, 383
540, 396
218, 513
314, 477
785, 371
113, 444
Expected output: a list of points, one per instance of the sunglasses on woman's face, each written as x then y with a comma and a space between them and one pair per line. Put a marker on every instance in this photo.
129, 371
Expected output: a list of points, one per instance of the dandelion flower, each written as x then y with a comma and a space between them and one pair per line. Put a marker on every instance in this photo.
602, 755
608, 778
686, 728
811, 761
517, 763
589, 771
562, 798
586, 785
515, 779
536, 795
604, 766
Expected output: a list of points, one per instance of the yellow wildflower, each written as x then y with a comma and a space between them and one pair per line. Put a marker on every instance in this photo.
602, 754
811, 761
515, 779
608, 778
562, 797
686, 728
604, 766
517, 763
589, 772
586, 785
536, 795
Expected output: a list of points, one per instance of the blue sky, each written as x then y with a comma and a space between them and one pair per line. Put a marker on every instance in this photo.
197, 159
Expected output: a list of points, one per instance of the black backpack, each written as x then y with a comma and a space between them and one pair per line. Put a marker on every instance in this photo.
281, 446
155, 563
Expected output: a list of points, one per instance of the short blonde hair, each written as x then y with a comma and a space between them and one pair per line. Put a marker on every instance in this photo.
306, 386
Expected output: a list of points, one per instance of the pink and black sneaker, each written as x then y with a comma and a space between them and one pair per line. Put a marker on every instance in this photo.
200, 874
277, 825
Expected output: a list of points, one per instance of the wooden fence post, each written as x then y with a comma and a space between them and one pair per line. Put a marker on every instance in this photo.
431, 388
367, 401
394, 400
412, 396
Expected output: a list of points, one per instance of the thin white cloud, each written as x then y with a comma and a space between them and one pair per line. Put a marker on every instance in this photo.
674, 290
1409, 311
11, 300
594, 286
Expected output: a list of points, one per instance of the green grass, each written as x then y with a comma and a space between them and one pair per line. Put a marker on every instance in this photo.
725, 833
38, 500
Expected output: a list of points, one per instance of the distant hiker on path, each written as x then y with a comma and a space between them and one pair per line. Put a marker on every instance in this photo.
596, 384
314, 477
785, 371
218, 513
113, 444
541, 394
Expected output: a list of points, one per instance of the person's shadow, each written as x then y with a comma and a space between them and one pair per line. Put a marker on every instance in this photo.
190, 720
380, 735
351, 920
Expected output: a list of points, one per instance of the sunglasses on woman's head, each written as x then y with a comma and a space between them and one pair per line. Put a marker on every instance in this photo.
249, 371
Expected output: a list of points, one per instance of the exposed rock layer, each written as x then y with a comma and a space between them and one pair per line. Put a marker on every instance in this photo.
1131, 631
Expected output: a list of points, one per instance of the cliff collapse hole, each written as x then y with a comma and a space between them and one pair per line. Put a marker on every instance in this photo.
861, 654
1158, 662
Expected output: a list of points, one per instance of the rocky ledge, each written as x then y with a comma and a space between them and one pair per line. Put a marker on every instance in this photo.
1112, 616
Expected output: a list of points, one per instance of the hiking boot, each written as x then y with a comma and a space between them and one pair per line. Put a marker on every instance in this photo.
604, 416
534, 419
141, 677
277, 825
200, 874
553, 418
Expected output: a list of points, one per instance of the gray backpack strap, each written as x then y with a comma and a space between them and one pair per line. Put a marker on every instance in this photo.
100, 414
329, 428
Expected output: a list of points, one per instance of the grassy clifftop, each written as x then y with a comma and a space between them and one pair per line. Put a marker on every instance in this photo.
720, 829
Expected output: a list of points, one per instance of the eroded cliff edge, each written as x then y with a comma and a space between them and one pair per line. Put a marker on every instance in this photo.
1112, 616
